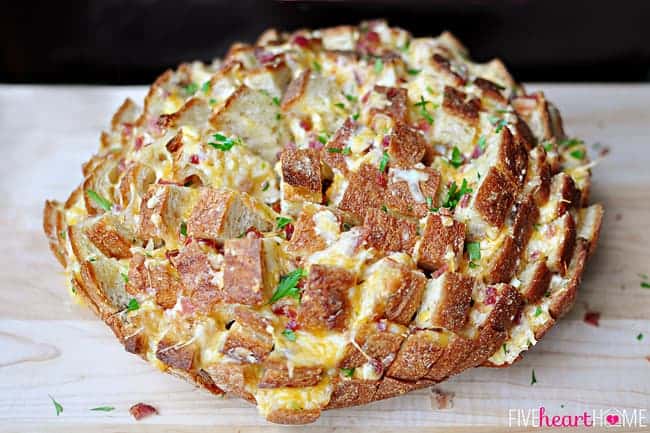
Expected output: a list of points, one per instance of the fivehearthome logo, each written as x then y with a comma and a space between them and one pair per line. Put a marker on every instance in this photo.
612, 417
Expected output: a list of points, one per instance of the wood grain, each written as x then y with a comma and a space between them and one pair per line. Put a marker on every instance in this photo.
49, 345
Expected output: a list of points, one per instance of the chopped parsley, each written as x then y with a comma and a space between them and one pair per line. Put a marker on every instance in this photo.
345, 151
384, 208
414, 71
423, 109
454, 194
356, 115
287, 286
103, 409
125, 277
346, 227
132, 305
322, 138
205, 88
289, 334
340, 105
99, 200
570, 142
317, 66
505, 349
281, 222
639, 337
223, 143
183, 229
482, 143
265, 185
547, 145
191, 89
384, 161
474, 251
212, 101
351, 98
578, 154
347, 372
430, 205
538, 311
457, 158
276, 101
57, 406
406, 46
645, 285
379, 65
533, 379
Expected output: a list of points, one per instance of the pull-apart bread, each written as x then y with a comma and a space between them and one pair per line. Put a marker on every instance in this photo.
332, 217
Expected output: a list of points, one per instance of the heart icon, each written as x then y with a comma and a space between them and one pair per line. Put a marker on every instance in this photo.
612, 419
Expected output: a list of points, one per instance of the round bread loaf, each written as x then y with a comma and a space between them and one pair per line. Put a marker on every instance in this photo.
329, 218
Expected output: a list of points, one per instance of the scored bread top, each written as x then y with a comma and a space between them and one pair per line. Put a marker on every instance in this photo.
328, 218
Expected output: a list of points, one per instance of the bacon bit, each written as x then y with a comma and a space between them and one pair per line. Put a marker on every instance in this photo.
517, 317
365, 97
301, 41
305, 123
441, 399
264, 56
385, 141
377, 365
139, 141
464, 201
368, 42
476, 152
276, 206
142, 410
373, 37
169, 254
592, 318
253, 233
315, 144
441, 270
194, 159
382, 180
423, 125
603, 152
288, 231
292, 325
490, 296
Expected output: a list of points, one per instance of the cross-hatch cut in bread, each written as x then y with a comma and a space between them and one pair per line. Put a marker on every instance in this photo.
329, 218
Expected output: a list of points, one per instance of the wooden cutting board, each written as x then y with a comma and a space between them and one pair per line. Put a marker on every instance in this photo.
50, 346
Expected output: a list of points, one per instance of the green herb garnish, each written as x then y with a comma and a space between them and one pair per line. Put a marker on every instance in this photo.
384, 161
183, 229
205, 88
125, 277
454, 194
482, 143
191, 89
355, 116
379, 65
347, 372
57, 406
223, 143
281, 222
351, 98
289, 334
578, 154
103, 409
457, 158
317, 66
570, 142
645, 285
639, 337
322, 138
265, 185
538, 311
287, 286
340, 105
413, 71
533, 379
99, 200
474, 250
132, 305
423, 109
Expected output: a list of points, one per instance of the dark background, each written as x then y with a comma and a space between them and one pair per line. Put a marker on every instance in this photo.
131, 42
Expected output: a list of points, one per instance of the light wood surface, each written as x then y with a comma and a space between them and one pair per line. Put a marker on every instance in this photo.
49, 345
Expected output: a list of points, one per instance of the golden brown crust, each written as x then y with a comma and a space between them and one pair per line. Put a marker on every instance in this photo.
183, 232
